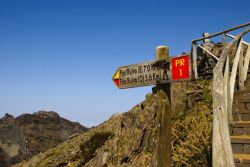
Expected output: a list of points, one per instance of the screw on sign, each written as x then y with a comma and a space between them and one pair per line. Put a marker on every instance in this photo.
180, 68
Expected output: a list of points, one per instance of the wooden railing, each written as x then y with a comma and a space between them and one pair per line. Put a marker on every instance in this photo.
223, 90
224, 83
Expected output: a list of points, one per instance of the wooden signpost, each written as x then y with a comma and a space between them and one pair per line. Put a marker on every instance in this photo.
161, 72
137, 75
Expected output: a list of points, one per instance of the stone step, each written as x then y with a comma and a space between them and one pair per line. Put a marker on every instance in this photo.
241, 92
247, 84
241, 144
242, 97
240, 128
241, 124
241, 107
245, 139
241, 116
242, 160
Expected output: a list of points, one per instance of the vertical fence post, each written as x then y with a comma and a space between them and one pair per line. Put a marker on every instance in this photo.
206, 34
246, 63
194, 56
234, 69
224, 39
240, 70
164, 109
228, 99
222, 155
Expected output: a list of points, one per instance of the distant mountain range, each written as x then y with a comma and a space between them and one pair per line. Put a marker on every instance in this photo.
29, 134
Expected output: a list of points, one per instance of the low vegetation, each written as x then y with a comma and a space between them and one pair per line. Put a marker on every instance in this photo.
89, 147
191, 135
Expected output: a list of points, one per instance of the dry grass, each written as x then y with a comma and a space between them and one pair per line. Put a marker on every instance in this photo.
89, 147
191, 135
191, 140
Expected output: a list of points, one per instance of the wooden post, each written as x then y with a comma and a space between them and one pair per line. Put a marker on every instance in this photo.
194, 57
164, 109
240, 69
206, 34
234, 69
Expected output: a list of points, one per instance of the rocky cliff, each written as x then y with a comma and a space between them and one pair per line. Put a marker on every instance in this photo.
130, 139
29, 134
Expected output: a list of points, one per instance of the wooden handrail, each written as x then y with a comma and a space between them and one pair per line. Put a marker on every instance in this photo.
223, 89
194, 44
222, 32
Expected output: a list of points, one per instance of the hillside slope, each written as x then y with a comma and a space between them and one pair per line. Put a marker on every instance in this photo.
131, 138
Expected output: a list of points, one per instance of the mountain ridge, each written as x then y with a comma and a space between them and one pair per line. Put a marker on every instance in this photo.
131, 139
27, 135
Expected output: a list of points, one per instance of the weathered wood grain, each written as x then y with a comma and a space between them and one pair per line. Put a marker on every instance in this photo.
164, 109
222, 155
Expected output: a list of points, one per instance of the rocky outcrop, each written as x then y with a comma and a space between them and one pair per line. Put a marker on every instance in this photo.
12, 141
2, 158
131, 139
30, 134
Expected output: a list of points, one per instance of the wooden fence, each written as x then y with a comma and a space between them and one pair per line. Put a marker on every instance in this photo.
224, 83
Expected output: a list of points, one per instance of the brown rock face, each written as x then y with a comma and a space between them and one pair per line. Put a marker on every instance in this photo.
2, 158
131, 139
29, 134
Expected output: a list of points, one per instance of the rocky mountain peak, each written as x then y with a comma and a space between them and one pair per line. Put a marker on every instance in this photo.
29, 134
46, 114
7, 117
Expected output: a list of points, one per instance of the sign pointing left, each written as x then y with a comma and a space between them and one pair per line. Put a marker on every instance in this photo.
143, 74
153, 72
116, 78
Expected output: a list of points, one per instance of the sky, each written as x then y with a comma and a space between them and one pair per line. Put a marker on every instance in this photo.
61, 55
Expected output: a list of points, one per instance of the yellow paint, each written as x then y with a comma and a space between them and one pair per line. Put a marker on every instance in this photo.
180, 72
117, 74
180, 62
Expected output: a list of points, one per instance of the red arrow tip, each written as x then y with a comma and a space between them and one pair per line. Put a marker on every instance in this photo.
117, 82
